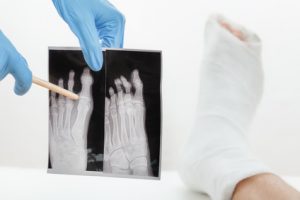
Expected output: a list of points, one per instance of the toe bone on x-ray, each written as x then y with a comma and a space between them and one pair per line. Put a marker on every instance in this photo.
108, 130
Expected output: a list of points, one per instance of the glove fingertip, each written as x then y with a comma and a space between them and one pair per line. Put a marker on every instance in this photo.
23, 86
94, 59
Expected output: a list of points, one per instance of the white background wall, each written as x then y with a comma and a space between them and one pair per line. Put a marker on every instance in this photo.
176, 27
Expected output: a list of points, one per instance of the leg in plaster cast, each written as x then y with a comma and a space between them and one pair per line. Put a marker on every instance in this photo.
125, 119
69, 122
216, 156
216, 159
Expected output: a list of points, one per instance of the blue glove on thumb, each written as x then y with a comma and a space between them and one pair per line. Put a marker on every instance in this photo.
12, 62
96, 23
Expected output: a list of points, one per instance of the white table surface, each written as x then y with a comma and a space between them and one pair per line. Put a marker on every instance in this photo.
30, 184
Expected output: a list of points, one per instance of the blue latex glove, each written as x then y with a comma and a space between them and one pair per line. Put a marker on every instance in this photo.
12, 62
96, 23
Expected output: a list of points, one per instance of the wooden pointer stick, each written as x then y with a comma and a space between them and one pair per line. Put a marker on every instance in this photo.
54, 88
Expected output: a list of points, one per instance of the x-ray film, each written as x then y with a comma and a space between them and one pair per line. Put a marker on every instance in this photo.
114, 129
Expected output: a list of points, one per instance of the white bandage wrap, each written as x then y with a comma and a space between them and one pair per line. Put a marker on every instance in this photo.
216, 156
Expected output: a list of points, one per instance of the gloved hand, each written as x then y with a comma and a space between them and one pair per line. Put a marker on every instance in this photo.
12, 62
96, 23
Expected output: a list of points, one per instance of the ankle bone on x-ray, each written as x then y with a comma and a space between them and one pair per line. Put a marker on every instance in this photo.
126, 145
68, 126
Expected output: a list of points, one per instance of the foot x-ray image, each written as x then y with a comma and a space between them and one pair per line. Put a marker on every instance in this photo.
114, 129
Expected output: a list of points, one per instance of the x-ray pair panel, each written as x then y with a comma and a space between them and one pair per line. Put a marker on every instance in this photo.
114, 129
